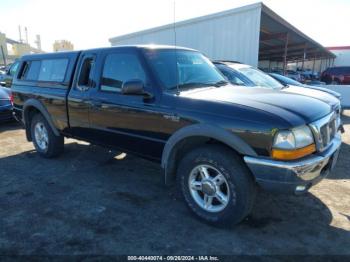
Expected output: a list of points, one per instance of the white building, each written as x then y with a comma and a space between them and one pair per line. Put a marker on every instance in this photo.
252, 34
342, 53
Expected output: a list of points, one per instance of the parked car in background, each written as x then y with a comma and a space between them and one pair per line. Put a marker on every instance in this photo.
336, 75
307, 74
5, 104
294, 75
315, 83
242, 74
2, 75
2, 69
286, 81
172, 105
6, 80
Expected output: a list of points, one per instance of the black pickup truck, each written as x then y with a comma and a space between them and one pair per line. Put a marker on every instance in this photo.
171, 105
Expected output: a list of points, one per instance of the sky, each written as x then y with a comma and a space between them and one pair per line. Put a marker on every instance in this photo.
89, 24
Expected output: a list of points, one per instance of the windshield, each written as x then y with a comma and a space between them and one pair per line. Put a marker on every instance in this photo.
286, 80
194, 69
259, 78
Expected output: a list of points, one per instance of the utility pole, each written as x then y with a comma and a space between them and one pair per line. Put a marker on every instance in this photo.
285, 59
38, 42
20, 34
26, 32
3, 55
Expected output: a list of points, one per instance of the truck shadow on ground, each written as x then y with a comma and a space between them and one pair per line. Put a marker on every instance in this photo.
90, 202
345, 117
341, 170
9, 125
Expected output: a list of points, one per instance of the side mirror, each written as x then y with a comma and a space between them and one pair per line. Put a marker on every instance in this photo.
134, 87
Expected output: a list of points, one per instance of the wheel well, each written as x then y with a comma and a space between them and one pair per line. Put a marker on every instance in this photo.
28, 116
186, 145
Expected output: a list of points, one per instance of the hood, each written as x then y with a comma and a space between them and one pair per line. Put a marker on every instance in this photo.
313, 92
324, 89
293, 107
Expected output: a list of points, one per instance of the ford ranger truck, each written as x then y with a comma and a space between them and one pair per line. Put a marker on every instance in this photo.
217, 141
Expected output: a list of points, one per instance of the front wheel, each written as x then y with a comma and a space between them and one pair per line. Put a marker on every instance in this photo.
46, 143
216, 185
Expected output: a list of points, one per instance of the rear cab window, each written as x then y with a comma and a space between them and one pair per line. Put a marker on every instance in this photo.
14, 68
30, 71
53, 70
44, 70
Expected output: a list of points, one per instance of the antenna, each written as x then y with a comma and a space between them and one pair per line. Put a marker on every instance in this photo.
175, 44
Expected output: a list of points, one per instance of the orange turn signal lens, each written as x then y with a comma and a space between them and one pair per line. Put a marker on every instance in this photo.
293, 154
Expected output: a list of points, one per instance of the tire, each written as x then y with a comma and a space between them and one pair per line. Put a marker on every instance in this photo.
239, 187
46, 143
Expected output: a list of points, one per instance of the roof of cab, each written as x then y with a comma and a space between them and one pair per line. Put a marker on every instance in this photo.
51, 55
155, 47
75, 53
232, 64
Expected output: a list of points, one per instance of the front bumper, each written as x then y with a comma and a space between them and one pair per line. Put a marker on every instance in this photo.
294, 176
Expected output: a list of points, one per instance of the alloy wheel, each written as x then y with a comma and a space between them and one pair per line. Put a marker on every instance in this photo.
209, 188
41, 136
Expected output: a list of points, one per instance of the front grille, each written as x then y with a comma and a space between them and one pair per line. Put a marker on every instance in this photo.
325, 135
325, 130
328, 132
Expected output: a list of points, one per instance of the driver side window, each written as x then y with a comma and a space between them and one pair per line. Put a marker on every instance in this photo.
118, 68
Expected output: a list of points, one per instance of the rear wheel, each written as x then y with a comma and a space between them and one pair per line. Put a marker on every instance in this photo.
46, 143
216, 185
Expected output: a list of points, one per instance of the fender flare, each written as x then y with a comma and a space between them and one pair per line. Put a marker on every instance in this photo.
204, 130
41, 108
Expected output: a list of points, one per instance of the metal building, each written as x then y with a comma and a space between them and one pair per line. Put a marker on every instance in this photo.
251, 34
342, 53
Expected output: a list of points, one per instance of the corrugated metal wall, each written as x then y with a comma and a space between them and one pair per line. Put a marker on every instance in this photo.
230, 35
343, 57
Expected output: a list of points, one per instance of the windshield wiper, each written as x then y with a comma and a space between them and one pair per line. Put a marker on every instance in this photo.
220, 83
190, 85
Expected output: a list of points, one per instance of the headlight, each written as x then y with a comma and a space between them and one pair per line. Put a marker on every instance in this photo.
293, 144
293, 139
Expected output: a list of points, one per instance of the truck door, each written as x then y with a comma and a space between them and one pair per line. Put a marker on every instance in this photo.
129, 122
78, 98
